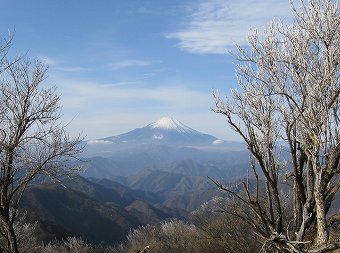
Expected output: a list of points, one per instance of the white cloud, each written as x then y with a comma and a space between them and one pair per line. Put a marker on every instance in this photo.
218, 142
48, 60
122, 83
57, 65
129, 63
71, 69
214, 26
102, 142
80, 94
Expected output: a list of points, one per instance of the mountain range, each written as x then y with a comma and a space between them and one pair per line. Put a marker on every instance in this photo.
166, 158
136, 178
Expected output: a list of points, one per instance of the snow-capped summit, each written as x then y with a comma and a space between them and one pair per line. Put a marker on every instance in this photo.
169, 123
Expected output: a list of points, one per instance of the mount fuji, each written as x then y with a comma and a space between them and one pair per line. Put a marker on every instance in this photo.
165, 131
157, 145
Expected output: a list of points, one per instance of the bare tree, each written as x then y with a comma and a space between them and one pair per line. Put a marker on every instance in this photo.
289, 104
227, 234
32, 141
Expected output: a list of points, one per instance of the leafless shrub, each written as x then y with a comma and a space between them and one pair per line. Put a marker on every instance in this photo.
70, 245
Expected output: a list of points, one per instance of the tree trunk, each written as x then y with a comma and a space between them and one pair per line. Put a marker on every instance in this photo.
11, 238
322, 231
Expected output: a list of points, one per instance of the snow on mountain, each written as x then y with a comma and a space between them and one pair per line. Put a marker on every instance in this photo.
169, 123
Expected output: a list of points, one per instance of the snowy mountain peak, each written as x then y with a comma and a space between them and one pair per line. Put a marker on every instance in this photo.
169, 123
165, 131
166, 123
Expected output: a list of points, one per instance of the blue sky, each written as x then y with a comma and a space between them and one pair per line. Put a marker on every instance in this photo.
122, 64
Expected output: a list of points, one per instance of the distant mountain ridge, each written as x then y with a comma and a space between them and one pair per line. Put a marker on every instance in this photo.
167, 160
101, 211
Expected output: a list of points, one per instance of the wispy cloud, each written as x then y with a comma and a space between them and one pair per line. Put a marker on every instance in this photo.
91, 142
129, 63
122, 83
93, 95
214, 26
58, 65
48, 60
149, 11
71, 69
